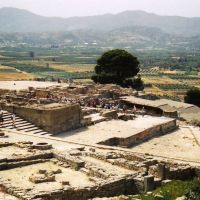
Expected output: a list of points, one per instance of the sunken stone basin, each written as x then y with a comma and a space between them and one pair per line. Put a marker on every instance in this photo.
42, 146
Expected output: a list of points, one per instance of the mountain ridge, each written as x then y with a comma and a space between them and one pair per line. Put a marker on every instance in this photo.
19, 20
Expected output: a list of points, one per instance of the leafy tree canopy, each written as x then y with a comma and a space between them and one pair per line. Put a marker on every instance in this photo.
193, 97
115, 66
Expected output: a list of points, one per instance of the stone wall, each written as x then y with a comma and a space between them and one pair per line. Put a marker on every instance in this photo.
51, 119
142, 136
173, 171
114, 184
3, 91
41, 93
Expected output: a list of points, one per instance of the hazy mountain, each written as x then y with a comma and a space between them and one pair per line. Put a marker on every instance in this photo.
17, 20
136, 37
136, 29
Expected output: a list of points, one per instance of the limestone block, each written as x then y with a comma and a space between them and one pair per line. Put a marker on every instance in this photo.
112, 114
149, 183
65, 183
92, 149
58, 171
42, 171
1, 133
41, 178
161, 171
87, 120
181, 198
166, 181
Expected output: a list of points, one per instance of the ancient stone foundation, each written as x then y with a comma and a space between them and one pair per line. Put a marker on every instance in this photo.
53, 118
142, 136
82, 173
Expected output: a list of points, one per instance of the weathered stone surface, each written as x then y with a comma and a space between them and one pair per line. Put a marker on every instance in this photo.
53, 118
42, 178
166, 181
110, 114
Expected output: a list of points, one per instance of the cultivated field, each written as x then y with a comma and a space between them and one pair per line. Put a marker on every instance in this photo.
15, 76
78, 63
8, 73
169, 84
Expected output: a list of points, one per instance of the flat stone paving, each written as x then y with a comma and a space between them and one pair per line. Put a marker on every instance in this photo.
181, 144
21, 85
12, 152
17, 137
114, 128
4, 196
19, 177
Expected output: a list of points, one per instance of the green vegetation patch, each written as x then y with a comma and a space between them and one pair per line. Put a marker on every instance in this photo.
66, 75
32, 68
172, 190
7, 70
174, 86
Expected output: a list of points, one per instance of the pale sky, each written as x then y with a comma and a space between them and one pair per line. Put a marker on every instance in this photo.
69, 8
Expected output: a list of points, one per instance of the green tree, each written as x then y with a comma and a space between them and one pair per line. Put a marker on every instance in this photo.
193, 97
138, 83
32, 54
115, 66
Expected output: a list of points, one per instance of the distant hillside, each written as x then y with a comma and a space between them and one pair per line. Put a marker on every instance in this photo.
17, 20
136, 37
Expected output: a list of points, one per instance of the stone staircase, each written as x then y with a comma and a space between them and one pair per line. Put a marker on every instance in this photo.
22, 125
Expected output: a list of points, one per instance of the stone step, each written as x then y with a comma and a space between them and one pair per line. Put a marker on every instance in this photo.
6, 117
9, 127
9, 118
45, 133
10, 124
22, 125
41, 134
17, 120
26, 127
6, 114
31, 129
38, 131
25, 124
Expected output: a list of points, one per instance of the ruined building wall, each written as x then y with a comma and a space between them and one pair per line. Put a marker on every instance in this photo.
52, 120
143, 135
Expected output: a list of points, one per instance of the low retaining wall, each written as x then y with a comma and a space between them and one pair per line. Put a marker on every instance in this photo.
142, 136
173, 172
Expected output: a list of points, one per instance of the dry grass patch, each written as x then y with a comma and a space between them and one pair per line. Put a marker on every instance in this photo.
6, 67
73, 68
15, 76
157, 91
159, 80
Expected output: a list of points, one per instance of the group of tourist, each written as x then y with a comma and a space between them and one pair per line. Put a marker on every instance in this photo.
102, 103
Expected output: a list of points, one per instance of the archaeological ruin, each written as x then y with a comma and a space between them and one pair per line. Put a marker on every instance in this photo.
83, 141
